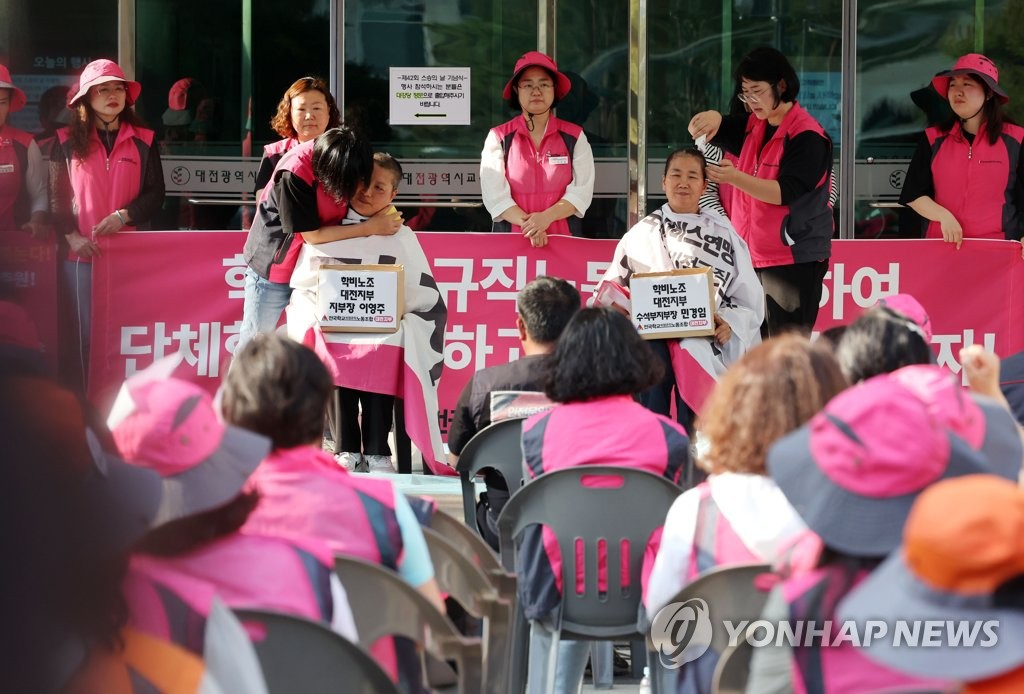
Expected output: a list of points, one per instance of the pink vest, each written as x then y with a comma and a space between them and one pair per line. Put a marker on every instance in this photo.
814, 595
14, 205
299, 160
538, 176
102, 183
976, 181
715, 543
305, 494
243, 570
781, 234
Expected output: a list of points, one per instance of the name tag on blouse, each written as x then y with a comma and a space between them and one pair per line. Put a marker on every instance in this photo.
6, 168
558, 160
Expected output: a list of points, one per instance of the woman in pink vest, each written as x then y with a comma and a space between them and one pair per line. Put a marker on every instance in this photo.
536, 171
853, 472
23, 176
781, 186
306, 110
194, 551
965, 177
739, 515
109, 180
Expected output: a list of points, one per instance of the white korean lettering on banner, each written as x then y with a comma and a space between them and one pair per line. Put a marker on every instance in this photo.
201, 347
497, 275
462, 287
459, 352
950, 346
880, 285
510, 334
234, 276
595, 271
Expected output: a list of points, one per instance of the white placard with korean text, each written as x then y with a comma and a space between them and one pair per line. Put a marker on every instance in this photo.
429, 96
675, 304
360, 298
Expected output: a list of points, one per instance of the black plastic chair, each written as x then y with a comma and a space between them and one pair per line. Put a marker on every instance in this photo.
497, 447
298, 656
383, 604
731, 595
573, 511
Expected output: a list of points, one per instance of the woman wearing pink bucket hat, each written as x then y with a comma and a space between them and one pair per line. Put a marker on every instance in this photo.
965, 177
23, 176
108, 179
537, 171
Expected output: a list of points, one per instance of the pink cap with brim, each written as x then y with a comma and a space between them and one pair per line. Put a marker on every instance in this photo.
170, 426
538, 59
910, 307
18, 98
98, 72
975, 64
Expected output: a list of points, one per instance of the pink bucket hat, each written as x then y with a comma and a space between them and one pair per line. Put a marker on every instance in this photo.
907, 305
961, 564
975, 64
98, 72
177, 112
853, 471
538, 59
169, 425
18, 98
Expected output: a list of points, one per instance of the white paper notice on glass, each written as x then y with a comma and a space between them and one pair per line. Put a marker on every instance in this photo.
360, 298
675, 304
429, 96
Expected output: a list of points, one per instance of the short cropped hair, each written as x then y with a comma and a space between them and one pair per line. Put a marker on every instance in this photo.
599, 354
881, 341
389, 163
771, 390
546, 305
766, 64
278, 388
687, 152
282, 120
342, 161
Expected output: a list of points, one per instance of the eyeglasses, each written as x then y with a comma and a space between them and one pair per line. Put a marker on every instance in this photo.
753, 97
541, 86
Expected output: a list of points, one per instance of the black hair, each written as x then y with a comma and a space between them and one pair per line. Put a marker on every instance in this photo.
513, 99
186, 534
881, 341
546, 305
342, 161
278, 388
387, 162
766, 64
687, 152
599, 354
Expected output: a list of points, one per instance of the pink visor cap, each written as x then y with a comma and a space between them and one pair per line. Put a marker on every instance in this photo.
98, 72
854, 470
18, 98
169, 425
538, 59
907, 305
981, 422
975, 64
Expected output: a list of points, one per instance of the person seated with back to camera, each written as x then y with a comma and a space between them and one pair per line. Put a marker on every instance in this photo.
368, 374
543, 309
683, 234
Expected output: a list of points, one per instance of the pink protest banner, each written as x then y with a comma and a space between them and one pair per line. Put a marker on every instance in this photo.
161, 292
29, 269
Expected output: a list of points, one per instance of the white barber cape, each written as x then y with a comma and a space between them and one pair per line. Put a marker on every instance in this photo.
665, 240
406, 363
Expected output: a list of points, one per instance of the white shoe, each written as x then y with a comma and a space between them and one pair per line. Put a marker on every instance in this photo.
380, 463
350, 461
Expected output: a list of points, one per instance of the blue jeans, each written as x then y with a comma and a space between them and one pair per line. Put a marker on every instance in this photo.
264, 302
572, 661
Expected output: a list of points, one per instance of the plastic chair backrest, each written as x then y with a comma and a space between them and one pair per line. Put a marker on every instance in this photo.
496, 446
733, 669
575, 511
383, 604
458, 576
299, 656
467, 540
